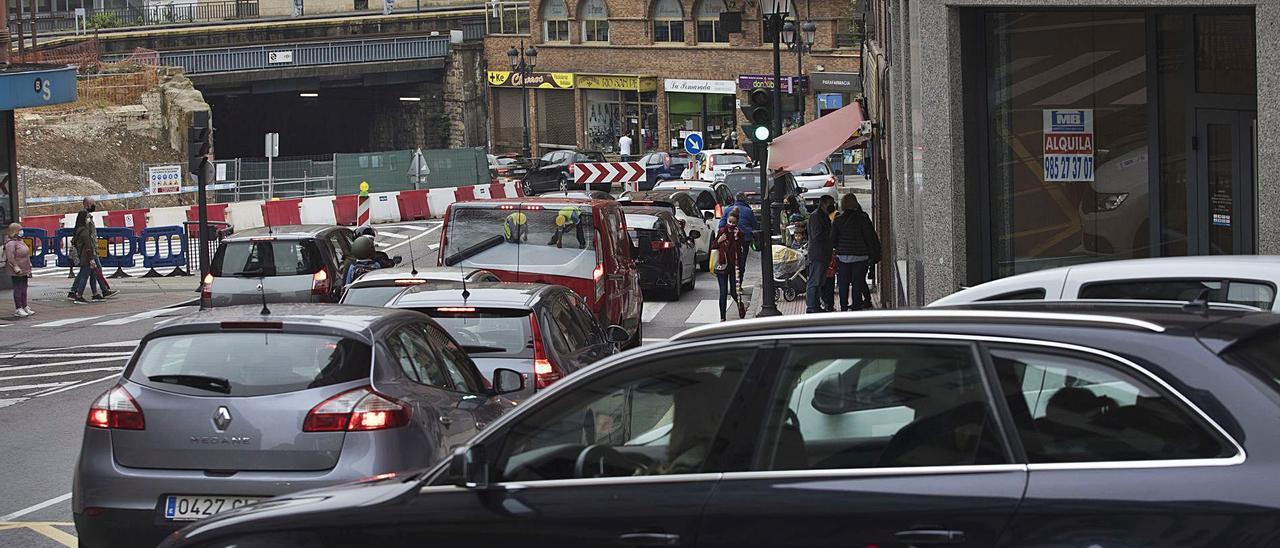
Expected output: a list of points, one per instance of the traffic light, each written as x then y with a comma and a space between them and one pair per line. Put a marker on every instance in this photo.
199, 142
759, 113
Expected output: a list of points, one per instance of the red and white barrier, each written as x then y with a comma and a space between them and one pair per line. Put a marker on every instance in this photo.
607, 173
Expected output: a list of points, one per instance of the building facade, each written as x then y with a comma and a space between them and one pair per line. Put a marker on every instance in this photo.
1018, 135
656, 70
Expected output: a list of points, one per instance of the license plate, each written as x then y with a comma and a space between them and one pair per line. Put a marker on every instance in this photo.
194, 507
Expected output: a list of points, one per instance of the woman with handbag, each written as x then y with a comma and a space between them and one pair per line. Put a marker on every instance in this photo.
17, 260
726, 252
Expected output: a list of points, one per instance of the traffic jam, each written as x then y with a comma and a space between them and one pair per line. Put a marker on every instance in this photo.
503, 391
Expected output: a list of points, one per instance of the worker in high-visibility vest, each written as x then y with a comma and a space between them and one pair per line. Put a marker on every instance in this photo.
515, 229
569, 218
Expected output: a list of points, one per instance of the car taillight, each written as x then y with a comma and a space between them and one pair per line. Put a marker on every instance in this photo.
661, 245
711, 162
719, 211
116, 409
206, 289
544, 372
320, 282
831, 181
358, 410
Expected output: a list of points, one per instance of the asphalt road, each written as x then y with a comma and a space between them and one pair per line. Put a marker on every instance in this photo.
53, 366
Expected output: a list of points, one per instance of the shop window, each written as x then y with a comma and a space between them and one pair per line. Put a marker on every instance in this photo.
668, 21
555, 21
595, 21
1225, 55
556, 119
709, 29
610, 114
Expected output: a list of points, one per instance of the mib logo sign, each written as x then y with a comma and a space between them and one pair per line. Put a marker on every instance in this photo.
43, 88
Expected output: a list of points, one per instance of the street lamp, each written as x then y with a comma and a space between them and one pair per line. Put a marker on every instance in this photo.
522, 63
800, 43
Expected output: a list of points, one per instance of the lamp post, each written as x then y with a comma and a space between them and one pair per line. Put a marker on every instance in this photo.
522, 63
801, 43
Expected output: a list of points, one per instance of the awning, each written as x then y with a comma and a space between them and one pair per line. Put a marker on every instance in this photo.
811, 143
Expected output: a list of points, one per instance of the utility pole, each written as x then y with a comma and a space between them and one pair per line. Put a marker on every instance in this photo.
768, 303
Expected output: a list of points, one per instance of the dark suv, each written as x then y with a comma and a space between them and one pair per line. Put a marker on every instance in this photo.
1030, 425
554, 170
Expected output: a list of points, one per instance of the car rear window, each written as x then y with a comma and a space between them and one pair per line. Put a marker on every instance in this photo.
481, 238
250, 363
731, 159
1260, 355
372, 295
488, 332
1250, 293
266, 258
820, 169
743, 182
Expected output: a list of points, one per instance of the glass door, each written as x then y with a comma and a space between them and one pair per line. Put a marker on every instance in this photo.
1223, 204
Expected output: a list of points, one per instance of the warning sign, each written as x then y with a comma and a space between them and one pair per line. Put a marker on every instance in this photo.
1068, 146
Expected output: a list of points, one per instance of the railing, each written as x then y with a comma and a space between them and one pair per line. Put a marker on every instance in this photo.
472, 30
295, 177
305, 54
134, 16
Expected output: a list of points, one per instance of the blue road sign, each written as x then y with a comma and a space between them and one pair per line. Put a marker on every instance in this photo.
693, 143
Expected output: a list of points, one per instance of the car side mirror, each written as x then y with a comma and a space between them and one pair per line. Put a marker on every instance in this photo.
396, 260
467, 468
506, 381
694, 234
708, 215
618, 334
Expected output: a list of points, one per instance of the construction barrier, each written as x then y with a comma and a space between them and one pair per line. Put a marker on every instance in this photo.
414, 205
121, 246
217, 232
37, 240
48, 223
164, 246
464, 194
498, 190
215, 213
282, 212
344, 209
132, 219
60, 244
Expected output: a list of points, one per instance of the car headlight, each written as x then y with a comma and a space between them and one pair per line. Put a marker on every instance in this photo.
1109, 202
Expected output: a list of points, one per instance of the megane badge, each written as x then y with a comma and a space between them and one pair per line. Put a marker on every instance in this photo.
221, 418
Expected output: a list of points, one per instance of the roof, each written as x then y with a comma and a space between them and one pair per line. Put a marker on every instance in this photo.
433, 273
724, 151
696, 183
536, 200
287, 231
484, 295
579, 195
356, 320
656, 195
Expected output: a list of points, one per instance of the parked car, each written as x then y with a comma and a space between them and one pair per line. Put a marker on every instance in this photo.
815, 182
508, 167
747, 182
688, 217
553, 171
713, 164
662, 166
543, 331
598, 266
709, 197
231, 406
297, 264
1249, 280
579, 195
379, 287
665, 256
1048, 425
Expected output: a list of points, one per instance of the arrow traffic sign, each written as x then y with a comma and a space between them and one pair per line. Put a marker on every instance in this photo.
590, 173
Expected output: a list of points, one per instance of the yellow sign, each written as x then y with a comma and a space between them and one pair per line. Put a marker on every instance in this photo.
544, 80
619, 82
102, 247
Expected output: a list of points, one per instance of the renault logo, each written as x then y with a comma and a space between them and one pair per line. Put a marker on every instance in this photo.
221, 418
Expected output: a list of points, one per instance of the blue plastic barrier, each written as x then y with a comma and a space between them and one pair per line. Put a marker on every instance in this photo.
38, 240
122, 244
164, 246
61, 246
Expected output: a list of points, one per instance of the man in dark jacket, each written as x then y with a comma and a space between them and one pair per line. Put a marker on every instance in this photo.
820, 248
857, 247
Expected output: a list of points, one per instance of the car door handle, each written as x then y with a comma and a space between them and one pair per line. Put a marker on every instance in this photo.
649, 539
446, 420
929, 536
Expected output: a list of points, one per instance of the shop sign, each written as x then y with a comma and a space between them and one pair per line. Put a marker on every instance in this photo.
720, 87
1068, 145
609, 81
837, 81
19, 89
544, 80
750, 82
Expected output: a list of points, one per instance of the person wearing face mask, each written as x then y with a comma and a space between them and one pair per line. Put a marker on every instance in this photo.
84, 244
819, 228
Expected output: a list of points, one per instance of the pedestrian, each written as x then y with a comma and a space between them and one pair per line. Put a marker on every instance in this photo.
747, 225
17, 260
624, 147
857, 248
84, 245
726, 250
819, 228
107, 292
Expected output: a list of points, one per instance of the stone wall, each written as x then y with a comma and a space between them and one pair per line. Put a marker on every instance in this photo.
464, 97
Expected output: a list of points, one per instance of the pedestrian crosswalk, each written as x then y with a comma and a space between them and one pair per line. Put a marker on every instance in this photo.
43, 372
126, 319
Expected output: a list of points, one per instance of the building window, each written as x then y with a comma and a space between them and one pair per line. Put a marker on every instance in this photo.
709, 30
668, 21
610, 114
555, 21
507, 17
595, 21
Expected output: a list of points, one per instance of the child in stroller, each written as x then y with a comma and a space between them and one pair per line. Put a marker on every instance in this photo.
791, 263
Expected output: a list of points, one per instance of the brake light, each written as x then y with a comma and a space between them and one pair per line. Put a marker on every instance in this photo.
116, 409
456, 309
206, 289
358, 410
661, 245
711, 162
263, 239
410, 281
320, 282
719, 211
544, 372
831, 181
507, 207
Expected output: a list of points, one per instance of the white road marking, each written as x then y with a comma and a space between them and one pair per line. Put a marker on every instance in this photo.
414, 227
71, 362
58, 374
651, 311
424, 233
60, 355
394, 235
75, 386
707, 311
68, 321
130, 343
33, 386
6, 402
139, 316
35, 507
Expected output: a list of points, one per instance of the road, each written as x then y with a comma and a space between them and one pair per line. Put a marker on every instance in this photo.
53, 365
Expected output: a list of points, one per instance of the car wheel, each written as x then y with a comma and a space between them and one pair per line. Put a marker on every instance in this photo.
638, 338
673, 294
692, 280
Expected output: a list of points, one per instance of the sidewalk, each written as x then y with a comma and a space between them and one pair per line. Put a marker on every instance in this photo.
47, 295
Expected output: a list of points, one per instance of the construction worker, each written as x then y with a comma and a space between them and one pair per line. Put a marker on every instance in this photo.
569, 217
514, 228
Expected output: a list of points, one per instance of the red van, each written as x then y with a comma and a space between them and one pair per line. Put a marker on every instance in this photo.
519, 240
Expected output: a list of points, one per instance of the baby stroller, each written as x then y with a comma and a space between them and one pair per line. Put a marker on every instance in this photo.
790, 271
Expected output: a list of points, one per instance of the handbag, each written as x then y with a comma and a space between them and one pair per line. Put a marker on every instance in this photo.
718, 264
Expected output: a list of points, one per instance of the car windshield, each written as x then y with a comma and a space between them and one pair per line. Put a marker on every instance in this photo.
820, 169
371, 295
529, 239
249, 363
489, 332
266, 257
731, 159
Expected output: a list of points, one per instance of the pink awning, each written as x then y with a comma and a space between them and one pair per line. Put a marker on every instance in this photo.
811, 143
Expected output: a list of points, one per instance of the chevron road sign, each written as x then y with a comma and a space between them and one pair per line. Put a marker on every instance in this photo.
607, 173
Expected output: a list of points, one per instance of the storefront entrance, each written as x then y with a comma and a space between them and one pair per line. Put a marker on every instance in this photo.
1226, 161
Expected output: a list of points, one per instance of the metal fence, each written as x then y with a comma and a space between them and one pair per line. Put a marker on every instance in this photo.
298, 177
306, 54
139, 16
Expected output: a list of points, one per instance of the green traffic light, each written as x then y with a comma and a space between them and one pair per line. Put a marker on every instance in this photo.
761, 133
